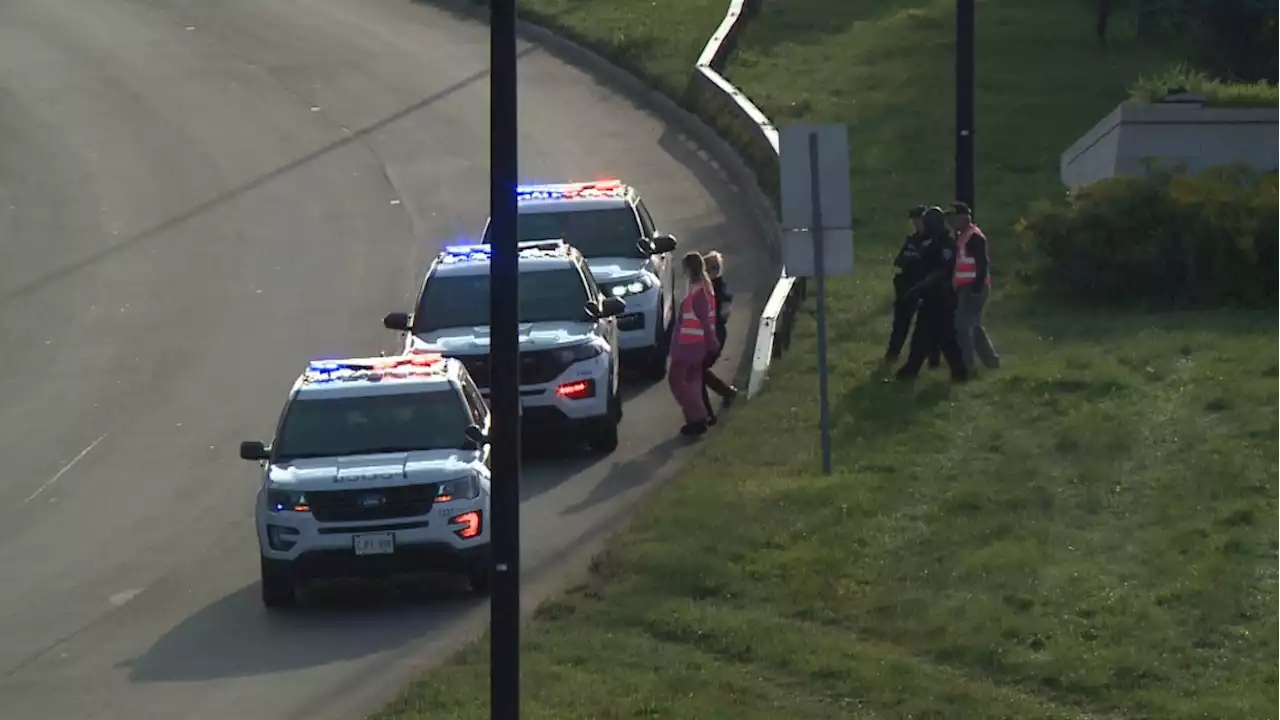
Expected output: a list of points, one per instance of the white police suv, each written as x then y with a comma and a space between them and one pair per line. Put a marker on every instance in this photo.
609, 224
379, 466
568, 335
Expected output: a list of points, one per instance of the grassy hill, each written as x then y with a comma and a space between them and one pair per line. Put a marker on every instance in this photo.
1088, 532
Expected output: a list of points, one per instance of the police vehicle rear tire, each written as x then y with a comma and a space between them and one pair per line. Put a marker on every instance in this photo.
278, 587
481, 579
604, 436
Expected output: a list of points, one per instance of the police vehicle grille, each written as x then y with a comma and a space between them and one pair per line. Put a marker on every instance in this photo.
536, 367
372, 503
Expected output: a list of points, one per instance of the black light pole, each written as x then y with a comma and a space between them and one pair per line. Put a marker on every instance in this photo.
504, 374
965, 91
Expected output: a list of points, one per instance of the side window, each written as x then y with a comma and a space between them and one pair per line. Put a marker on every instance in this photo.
475, 401
646, 221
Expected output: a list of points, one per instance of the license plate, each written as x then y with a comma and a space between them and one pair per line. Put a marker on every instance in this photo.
375, 544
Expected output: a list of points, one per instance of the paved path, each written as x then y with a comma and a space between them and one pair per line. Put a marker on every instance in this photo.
196, 198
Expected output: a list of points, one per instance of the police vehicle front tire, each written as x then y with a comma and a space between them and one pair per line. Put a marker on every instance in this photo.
278, 587
657, 361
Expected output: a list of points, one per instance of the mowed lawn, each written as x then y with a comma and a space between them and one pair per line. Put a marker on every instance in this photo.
1089, 532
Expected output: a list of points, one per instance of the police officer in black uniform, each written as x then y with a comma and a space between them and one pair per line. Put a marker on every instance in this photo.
910, 270
935, 329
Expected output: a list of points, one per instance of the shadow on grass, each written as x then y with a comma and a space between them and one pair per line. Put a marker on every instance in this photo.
1053, 316
800, 22
881, 407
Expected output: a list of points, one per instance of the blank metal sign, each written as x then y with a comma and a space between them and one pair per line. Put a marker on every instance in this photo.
795, 173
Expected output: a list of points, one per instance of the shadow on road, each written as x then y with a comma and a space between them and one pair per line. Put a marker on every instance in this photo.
237, 637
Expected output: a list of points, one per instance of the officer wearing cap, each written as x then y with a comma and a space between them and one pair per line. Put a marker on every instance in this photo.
909, 266
935, 328
972, 281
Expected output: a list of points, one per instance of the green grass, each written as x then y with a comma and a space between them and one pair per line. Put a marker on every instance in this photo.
1153, 88
1088, 532
657, 40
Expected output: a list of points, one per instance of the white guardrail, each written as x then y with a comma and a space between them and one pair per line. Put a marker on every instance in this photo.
753, 129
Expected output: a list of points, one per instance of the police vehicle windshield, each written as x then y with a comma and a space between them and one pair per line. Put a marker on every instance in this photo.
557, 295
612, 232
323, 426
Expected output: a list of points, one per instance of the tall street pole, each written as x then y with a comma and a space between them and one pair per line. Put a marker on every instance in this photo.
504, 374
965, 91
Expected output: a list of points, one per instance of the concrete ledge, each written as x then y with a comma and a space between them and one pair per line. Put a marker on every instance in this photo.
1173, 132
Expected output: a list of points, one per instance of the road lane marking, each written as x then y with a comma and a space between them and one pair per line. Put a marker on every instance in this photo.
64, 469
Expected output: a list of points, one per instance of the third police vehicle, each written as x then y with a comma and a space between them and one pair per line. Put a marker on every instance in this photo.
568, 335
379, 466
631, 258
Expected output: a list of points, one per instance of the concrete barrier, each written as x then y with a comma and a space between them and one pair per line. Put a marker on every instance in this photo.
753, 135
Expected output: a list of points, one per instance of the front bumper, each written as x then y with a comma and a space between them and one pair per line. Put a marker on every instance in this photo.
331, 564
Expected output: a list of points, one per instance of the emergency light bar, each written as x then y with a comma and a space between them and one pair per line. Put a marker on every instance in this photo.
550, 244
484, 253
568, 191
374, 369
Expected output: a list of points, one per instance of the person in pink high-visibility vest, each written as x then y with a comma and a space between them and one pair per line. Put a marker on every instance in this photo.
972, 280
693, 341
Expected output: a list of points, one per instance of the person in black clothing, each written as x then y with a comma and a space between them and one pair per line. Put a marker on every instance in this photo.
936, 325
909, 272
724, 302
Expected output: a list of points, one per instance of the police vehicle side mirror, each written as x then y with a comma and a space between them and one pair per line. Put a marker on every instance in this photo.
396, 321
663, 244
476, 435
611, 306
254, 450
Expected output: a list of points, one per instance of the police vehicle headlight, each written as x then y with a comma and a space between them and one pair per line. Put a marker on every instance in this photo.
631, 287
463, 488
287, 501
578, 353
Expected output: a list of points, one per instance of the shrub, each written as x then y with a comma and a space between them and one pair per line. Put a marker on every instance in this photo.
1182, 78
1167, 238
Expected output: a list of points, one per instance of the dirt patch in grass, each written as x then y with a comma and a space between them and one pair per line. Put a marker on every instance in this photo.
1088, 532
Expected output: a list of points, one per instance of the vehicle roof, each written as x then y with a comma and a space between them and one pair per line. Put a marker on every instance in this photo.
574, 196
535, 256
371, 376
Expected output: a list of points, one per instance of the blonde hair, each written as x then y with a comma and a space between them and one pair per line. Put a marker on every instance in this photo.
714, 262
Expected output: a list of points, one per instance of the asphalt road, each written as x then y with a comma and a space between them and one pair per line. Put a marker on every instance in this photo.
195, 199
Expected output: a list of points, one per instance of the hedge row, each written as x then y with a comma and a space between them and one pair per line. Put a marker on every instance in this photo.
1167, 239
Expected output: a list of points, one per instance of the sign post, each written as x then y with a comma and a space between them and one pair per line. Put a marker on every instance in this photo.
966, 185
817, 224
504, 358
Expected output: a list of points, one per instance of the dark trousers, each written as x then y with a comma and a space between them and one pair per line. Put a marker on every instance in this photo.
903, 312
935, 333
711, 381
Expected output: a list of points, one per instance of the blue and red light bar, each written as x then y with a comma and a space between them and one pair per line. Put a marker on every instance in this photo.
608, 188
373, 369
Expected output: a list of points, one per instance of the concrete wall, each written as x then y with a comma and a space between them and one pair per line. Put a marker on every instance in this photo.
1174, 132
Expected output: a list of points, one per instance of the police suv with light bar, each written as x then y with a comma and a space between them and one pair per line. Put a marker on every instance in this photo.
609, 224
568, 335
379, 466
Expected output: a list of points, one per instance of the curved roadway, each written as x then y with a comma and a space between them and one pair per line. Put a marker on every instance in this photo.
196, 198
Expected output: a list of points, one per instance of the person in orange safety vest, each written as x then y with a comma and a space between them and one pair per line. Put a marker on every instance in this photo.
693, 343
972, 280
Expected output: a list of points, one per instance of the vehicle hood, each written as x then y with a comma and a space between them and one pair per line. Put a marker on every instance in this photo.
357, 472
475, 340
613, 269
